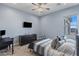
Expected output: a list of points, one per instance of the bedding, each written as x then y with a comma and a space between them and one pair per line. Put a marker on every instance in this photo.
46, 49
53, 43
71, 41
31, 45
62, 41
53, 52
67, 48
38, 43
43, 47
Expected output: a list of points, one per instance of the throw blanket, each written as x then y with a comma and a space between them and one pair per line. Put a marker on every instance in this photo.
39, 47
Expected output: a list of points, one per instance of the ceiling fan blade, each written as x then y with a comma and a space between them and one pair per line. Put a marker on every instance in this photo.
39, 3
33, 9
44, 3
34, 3
58, 3
47, 8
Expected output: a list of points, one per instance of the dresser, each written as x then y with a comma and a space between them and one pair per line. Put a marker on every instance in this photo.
25, 39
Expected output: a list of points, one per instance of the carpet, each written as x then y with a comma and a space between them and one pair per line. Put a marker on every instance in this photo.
18, 51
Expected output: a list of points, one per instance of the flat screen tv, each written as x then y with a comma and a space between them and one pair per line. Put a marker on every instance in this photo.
2, 32
27, 24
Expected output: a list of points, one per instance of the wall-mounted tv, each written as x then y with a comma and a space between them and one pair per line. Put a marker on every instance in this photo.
2, 32
27, 24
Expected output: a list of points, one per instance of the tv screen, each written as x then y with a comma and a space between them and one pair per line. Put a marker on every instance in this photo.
27, 25
2, 32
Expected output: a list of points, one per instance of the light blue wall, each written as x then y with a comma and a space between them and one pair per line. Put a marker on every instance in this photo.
11, 20
50, 25
53, 24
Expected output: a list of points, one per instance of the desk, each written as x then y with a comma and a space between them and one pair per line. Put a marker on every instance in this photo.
7, 42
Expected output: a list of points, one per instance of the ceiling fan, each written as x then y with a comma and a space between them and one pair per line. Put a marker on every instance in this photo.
40, 7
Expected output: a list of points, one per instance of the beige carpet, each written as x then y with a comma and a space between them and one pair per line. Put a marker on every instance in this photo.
19, 51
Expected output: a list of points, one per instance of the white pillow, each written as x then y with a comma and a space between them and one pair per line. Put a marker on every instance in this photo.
62, 41
71, 41
53, 52
67, 48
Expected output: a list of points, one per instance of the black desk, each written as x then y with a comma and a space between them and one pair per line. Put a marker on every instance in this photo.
6, 42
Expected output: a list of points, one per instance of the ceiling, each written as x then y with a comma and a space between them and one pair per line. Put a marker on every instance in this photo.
27, 7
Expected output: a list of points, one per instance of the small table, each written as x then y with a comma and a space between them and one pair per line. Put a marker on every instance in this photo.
7, 42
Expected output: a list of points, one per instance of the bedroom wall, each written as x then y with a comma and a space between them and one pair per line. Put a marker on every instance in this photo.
53, 24
49, 25
11, 20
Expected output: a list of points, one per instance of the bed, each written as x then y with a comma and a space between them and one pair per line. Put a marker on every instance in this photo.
43, 48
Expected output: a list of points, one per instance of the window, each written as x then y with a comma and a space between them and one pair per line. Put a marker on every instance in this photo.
73, 24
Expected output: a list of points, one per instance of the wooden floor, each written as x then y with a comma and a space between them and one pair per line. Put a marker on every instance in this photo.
19, 51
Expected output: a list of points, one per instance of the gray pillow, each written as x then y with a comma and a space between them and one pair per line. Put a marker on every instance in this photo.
58, 45
55, 43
